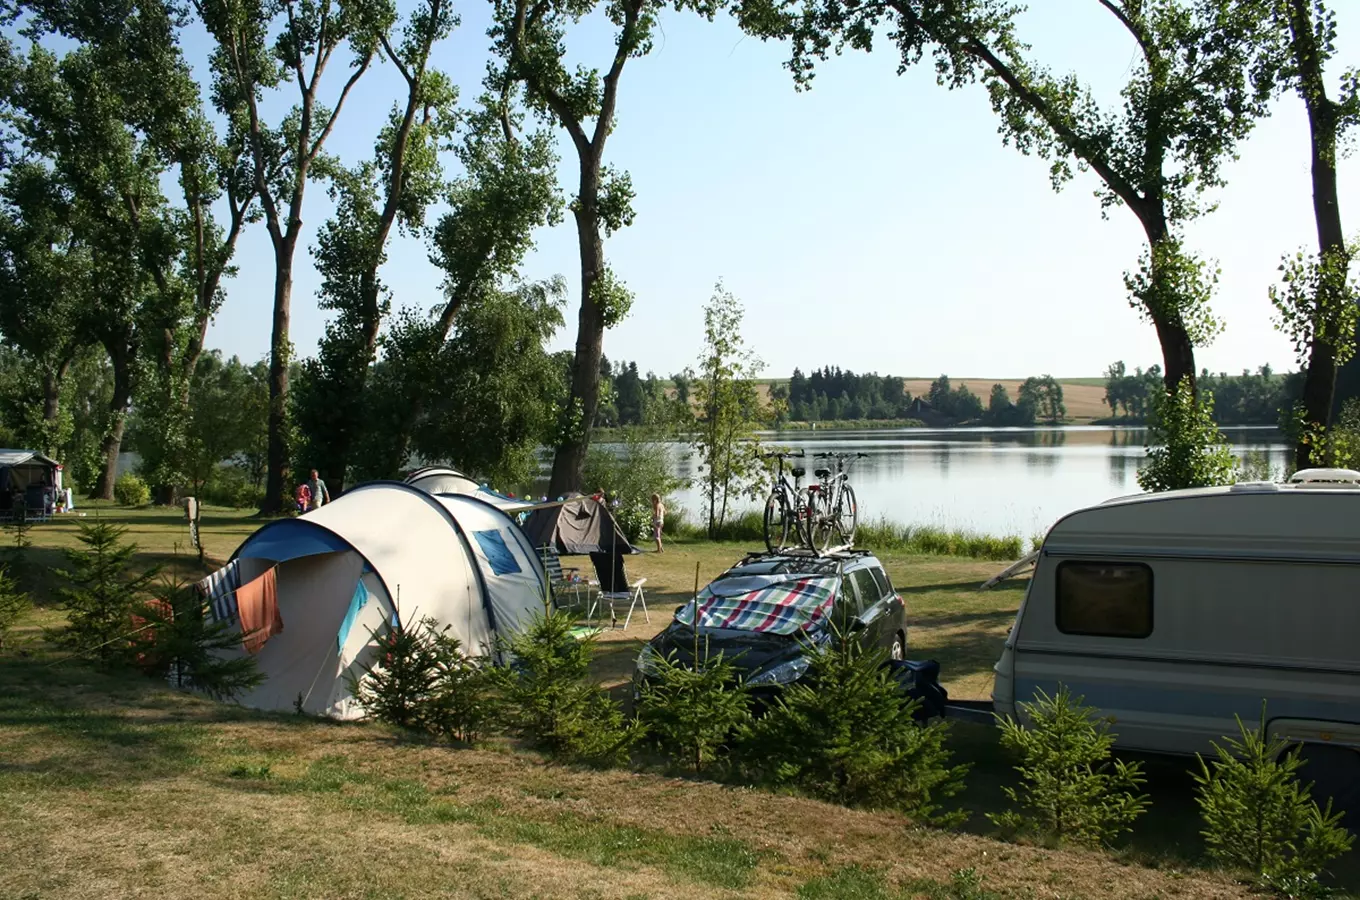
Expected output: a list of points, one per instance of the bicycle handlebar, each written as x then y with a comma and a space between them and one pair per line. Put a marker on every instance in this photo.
789, 455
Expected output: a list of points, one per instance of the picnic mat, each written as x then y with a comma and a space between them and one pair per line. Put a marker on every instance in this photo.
772, 604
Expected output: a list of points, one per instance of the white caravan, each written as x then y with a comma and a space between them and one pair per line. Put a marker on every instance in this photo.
1173, 613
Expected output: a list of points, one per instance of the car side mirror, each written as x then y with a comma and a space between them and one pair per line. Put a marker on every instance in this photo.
857, 624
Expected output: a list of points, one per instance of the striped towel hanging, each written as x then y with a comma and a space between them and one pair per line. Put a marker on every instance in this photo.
220, 590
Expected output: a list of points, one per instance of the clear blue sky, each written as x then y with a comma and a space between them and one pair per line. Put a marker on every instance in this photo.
875, 222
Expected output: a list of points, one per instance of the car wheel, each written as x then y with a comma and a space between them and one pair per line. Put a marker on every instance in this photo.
899, 647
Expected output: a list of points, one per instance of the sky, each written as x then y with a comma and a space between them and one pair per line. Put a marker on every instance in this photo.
875, 222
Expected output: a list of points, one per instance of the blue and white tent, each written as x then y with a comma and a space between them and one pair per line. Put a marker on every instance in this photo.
381, 552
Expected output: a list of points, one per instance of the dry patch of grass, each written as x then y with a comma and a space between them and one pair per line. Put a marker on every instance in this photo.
113, 787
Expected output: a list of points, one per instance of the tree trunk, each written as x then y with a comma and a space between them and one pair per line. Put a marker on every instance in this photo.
569, 464
1178, 353
1319, 385
112, 444
276, 481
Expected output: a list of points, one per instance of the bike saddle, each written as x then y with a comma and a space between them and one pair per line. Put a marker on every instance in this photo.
822, 473
799, 472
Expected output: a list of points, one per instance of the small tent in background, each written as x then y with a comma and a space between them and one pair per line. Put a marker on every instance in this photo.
28, 480
444, 481
580, 525
323, 584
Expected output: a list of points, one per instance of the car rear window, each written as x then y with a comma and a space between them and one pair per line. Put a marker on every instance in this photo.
884, 585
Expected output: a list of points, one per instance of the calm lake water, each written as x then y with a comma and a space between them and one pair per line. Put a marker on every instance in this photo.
996, 481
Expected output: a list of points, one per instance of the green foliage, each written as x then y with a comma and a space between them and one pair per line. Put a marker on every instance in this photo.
131, 490
550, 700
690, 712
1186, 448
1069, 785
849, 736
1002, 412
1258, 815
1042, 398
1173, 286
14, 605
957, 403
102, 593
631, 471
422, 680
1337, 446
729, 409
192, 649
1316, 302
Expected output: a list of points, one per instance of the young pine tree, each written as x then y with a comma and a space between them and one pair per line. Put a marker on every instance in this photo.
851, 737
690, 713
1258, 815
550, 701
186, 646
1069, 784
102, 595
14, 605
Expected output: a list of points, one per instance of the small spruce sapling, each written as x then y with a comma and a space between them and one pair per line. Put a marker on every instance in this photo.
103, 595
550, 701
189, 647
14, 605
1072, 788
1259, 816
853, 739
691, 712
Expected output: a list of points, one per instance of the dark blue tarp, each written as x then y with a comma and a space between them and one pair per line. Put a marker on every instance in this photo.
496, 552
290, 539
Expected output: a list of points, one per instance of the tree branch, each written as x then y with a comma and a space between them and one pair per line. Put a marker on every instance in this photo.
609, 98
392, 54
1135, 29
556, 102
297, 50
335, 113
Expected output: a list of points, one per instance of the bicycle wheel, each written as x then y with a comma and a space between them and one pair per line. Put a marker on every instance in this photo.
847, 515
778, 521
821, 524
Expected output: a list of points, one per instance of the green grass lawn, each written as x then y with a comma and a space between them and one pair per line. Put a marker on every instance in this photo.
114, 786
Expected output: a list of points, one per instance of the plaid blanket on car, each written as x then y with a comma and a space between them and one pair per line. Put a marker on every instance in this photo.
772, 604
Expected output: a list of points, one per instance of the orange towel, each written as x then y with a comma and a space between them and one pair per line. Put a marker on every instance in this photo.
257, 604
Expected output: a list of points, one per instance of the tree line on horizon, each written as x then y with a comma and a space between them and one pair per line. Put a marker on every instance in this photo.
127, 185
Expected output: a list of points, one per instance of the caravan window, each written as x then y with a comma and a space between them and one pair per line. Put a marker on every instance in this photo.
1105, 599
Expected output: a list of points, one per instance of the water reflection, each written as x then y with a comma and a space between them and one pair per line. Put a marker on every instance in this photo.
1016, 481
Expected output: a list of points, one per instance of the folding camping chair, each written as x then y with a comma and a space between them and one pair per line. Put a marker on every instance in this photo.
563, 581
615, 588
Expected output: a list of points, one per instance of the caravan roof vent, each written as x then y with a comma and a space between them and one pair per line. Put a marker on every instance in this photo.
1254, 487
1325, 476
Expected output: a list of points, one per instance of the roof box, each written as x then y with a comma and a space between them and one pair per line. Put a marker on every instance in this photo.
1326, 476
1254, 487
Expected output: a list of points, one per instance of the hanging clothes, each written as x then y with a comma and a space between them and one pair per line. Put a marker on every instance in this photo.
257, 603
219, 589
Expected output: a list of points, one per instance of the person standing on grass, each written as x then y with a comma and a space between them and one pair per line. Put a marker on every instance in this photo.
304, 498
658, 519
319, 493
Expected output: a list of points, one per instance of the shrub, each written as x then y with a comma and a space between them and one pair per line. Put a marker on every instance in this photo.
689, 713
1259, 817
186, 646
423, 681
551, 703
1186, 449
853, 739
1068, 782
231, 487
129, 490
632, 472
14, 605
102, 595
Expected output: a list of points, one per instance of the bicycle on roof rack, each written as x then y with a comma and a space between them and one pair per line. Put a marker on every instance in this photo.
832, 511
785, 509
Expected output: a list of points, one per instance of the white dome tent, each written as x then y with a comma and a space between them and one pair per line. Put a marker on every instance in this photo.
443, 481
381, 552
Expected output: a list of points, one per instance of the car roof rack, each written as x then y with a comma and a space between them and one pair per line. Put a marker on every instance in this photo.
805, 553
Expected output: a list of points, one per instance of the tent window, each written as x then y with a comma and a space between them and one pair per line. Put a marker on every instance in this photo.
496, 552
1105, 599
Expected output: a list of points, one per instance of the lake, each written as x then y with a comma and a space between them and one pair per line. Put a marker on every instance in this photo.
1000, 481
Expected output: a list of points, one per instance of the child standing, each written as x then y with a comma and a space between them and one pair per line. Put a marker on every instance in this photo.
658, 519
